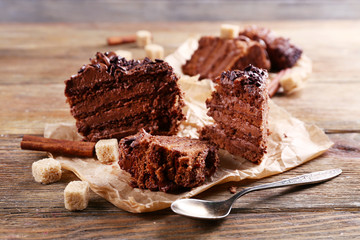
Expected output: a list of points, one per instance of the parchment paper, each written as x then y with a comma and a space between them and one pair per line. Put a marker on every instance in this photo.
290, 144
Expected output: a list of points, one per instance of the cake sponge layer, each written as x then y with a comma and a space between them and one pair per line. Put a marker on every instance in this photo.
240, 126
167, 163
215, 55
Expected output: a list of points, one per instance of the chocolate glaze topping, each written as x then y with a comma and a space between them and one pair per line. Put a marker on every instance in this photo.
250, 76
113, 63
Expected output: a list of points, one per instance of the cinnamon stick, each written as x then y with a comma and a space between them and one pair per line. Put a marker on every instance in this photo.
117, 40
274, 84
57, 146
273, 87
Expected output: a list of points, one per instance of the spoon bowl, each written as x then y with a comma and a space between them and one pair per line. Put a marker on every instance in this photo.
203, 209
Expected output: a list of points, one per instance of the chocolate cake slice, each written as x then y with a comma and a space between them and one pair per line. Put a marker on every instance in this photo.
167, 163
239, 106
215, 55
113, 98
282, 53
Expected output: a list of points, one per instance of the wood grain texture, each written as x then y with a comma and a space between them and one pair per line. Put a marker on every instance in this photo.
37, 58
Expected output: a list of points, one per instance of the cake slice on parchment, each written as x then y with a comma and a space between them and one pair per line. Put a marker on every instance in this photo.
215, 55
113, 98
239, 107
282, 53
167, 163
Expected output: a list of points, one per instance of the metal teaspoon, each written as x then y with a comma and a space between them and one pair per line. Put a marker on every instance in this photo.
203, 209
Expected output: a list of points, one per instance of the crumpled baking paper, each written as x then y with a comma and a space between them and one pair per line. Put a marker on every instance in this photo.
291, 143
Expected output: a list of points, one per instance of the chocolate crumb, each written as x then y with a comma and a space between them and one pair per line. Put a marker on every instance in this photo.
233, 76
82, 69
232, 189
147, 60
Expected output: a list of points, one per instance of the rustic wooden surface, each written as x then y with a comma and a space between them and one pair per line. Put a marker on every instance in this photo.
36, 59
41, 11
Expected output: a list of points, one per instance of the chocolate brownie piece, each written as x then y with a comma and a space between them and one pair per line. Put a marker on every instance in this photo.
215, 55
112, 97
239, 106
282, 53
167, 163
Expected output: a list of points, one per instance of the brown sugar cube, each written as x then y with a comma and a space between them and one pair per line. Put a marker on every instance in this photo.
229, 31
46, 171
294, 79
76, 195
125, 54
143, 38
154, 51
107, 150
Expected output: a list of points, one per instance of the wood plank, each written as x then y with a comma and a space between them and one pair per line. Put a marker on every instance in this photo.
163, 10
272, 225
31, 107
327, 104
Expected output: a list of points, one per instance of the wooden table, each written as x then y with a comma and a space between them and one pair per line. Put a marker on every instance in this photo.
36, 59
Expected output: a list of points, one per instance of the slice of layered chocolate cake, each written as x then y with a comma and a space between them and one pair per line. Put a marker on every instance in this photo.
215, 55
113, 98
167, 163
282, 53
239, 106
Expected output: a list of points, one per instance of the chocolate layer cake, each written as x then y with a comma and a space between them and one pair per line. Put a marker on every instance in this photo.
113, 98
215, 55
167, 163
282, 53
239, 106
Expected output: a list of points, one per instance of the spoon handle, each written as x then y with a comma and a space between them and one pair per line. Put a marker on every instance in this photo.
310, 178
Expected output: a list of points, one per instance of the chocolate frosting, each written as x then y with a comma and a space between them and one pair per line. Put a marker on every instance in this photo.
250, 76
114, 64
